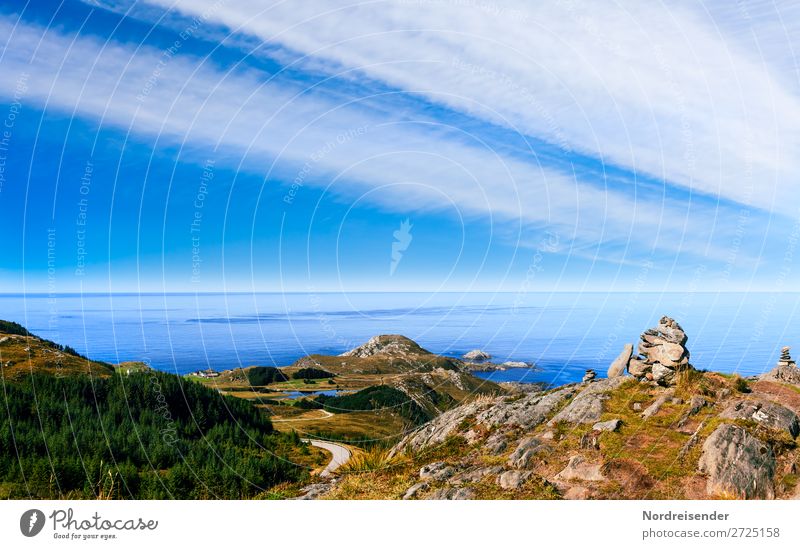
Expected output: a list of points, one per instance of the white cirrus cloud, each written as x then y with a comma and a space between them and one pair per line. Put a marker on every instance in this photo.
416, 163
666, 89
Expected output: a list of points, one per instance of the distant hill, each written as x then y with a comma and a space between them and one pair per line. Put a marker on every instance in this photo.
383, 354
395, 377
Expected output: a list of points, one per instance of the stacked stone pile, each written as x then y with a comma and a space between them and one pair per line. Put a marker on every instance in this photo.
662, 352
786, 370
786, 358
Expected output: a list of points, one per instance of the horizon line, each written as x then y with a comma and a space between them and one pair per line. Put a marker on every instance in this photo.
39, 294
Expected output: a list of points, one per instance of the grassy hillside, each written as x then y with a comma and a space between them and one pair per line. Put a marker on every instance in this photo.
22, 353
72, 428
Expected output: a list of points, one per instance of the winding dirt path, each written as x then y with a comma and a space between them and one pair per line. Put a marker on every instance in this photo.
341, 455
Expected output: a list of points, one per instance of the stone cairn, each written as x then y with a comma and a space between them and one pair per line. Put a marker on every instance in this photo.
589, 375
786, 358
786, 371
663, 353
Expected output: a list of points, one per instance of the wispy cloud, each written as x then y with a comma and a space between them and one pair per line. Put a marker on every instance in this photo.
661, 90
400, 163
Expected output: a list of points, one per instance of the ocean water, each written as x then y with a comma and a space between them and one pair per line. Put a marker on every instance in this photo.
563, 333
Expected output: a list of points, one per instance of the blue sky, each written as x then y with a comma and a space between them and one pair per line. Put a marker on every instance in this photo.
212, 145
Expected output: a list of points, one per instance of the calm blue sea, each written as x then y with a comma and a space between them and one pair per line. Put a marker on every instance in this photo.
563, 333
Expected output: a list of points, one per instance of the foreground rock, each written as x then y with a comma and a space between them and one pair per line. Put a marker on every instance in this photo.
663, 353
501, 413
737, 464
587, 407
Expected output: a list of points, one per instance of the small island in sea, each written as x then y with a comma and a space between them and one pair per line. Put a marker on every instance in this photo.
390, 420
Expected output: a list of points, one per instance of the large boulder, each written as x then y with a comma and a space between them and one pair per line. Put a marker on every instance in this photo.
666, 353
620, 363
738, 464
475, 475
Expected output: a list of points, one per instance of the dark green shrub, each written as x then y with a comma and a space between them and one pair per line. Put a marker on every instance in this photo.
265, 375
312, 373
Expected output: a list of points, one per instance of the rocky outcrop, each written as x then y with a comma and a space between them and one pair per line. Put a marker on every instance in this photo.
786, 370
513, 480
620, 363
662, 353
475, 475
587, 406
526, 452
476, 355
580, 469
390, 345
503, 413
654, 408
527, 412
610, 425
436, 471
696, 403
516, 364
486, 366
766, 413
737, 464
452, 493
412, 492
